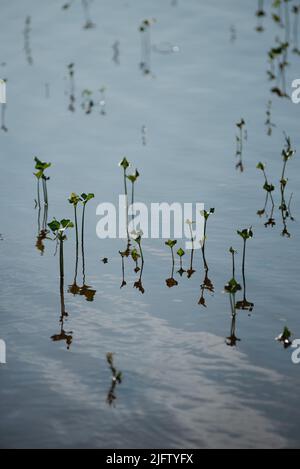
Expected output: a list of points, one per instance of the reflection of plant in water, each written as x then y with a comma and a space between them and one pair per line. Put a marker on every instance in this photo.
116, 52
72, 99
279, 54
269, 124
3, 113
88, 21
181, 253
59, 228
260, 14
232, 288
27, 45
191, 270
116, 379
285, 338
269, 188
102, 102
85, 290
87, 101
285, 208
296, 11
244, 304
138, 284
74, 199
239, 144
145, 63
135, 257
171, 282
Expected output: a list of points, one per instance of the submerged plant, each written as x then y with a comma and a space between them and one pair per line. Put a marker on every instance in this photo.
269, 188
116, 379
102, 102
27, 44
245, 234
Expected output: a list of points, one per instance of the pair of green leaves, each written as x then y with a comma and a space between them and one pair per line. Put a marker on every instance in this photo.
171, 243
206, 214
133, 177
41, 166
74, 199
60, 226
124, 163
246, 234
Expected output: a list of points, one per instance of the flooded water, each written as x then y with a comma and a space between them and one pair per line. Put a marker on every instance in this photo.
174, 116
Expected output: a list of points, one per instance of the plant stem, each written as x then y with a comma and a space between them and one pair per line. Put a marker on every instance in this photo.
82, 243
244, 263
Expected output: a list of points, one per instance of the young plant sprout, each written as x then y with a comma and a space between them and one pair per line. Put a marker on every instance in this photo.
245, 305
240, 144
232, 287
59, 229
116, 379
287, 154
74, 200
102, 102
206, 216
191, 270
260, 14
85, 290
269, 188
285, 338
41, 167
71, 72
87, 103
269, 124
86, 9
123, 283
145, 32
27, 45
133, 178
124, 164
181, 253
171, 282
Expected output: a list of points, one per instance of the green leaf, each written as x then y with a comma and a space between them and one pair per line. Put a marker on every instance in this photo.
180, 252
86, 197
261, 166
74, 199
124, 163
65, 223
171, 243
54, 225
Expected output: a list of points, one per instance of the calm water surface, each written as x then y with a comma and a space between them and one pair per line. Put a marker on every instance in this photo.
182, 386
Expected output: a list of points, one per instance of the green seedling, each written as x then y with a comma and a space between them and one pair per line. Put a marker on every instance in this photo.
245, 234
285, 338
181, 253
74, 200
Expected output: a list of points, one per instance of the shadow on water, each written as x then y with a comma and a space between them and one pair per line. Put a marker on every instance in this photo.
232, 288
